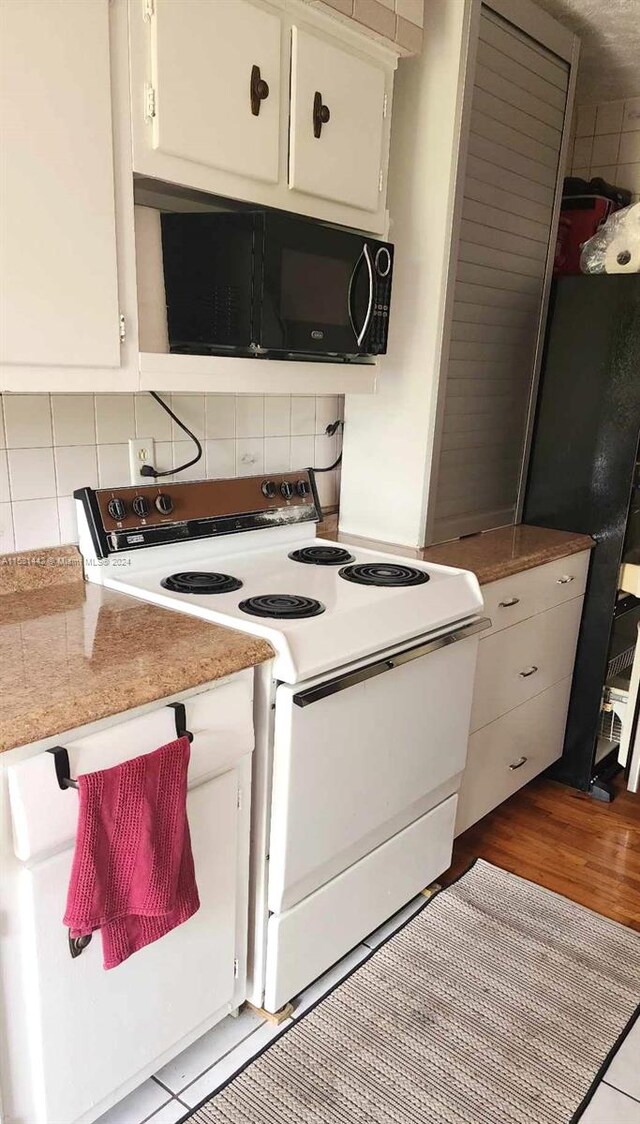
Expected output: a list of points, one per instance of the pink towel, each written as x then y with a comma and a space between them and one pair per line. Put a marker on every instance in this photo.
132, 875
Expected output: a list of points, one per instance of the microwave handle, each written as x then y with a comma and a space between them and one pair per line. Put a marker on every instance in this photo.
367, 320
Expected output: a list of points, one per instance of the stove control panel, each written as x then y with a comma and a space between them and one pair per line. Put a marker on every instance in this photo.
150, 514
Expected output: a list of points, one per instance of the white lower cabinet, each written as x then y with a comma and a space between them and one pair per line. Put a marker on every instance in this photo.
84, 1037
523, 682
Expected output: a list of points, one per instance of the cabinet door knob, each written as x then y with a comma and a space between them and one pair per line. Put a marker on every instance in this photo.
527, 672
509, 602
565, 580
321, 114
258, 90
519, 763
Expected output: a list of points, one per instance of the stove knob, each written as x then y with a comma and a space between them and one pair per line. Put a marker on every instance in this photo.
302, 488
116, 508
164, 503
140, 506
269, 489
286, 489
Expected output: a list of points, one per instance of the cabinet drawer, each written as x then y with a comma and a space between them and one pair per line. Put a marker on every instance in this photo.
517, 597
520, 662
507, 753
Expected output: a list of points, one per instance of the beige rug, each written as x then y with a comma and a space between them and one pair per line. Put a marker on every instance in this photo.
499, 1003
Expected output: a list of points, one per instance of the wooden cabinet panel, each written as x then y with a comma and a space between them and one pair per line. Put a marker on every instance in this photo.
59, 296
344, 162
202, 60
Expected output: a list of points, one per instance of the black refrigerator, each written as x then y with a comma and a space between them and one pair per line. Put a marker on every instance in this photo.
583, 476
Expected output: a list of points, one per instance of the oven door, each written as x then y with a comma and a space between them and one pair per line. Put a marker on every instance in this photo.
359, 757
318, 288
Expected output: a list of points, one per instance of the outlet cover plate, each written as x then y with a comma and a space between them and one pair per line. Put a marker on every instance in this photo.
141, 451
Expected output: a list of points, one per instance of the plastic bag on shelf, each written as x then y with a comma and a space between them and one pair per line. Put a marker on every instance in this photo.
615, 247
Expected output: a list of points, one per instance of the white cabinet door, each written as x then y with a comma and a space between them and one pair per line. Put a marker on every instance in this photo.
59, 293
109, 1025
203, 55
342, 163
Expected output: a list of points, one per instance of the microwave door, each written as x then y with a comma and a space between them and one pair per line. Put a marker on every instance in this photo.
360, 297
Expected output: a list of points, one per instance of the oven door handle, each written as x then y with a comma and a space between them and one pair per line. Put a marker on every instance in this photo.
367, 320
353, 678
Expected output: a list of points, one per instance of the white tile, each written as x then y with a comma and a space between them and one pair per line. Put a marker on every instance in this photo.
631, 115
113, 466
231, 1063
74, 421
580, 173
609, 117
325, 451
115, 418
400, 918
585, 120
326, 982
302, 452
608, 1106
7, 542
207, 1050
5, 495
412, 10
303, 415
137, 1106
151, 419
250, 415
190, 409
35, 523
604, 172
170, 1114
27, 420
276, 454
629, 148
277, 415
249, 456
184, 451
327, 488
624, 1071
605, 149
220, 415
67, 519
76, 467
326, 412
31, 474
163, 458
3, 439
582, 152
220, 458
628, 175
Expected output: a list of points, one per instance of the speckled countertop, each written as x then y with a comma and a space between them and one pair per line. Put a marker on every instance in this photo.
491, 555
72, 653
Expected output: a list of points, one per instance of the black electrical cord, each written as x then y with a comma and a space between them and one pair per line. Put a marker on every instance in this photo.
330, 431
148, 469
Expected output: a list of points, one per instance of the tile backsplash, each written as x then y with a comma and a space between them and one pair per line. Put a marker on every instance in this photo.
51, 444
606, 143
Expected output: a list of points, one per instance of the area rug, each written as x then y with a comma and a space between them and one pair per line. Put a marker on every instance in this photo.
499, 1003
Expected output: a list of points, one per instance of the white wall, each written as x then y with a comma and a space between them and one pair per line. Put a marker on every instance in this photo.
388, 437
51, 444
607, 143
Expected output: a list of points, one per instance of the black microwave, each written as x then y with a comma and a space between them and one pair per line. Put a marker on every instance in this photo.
268, 284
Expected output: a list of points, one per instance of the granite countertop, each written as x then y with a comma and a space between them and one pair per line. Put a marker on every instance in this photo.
491, 555
72, 653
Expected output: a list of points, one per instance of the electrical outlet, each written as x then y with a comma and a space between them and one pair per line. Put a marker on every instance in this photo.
141, 451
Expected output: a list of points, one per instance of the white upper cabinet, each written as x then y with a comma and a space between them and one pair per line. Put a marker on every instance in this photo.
215, 76
59, 292
337, 122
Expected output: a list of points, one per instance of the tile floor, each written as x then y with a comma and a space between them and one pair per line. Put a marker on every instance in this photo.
183, 1083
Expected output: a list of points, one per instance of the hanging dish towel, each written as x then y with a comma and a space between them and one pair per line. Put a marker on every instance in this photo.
132, 875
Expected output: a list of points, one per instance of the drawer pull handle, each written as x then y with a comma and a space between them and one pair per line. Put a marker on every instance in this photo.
519, 763
509, 602
528, 671
565, 580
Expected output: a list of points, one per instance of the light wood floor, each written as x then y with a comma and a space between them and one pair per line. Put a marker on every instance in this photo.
557, 837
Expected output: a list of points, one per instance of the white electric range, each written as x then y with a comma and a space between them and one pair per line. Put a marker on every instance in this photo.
361, 719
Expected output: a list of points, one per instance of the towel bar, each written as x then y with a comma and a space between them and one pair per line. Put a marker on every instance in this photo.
61, 756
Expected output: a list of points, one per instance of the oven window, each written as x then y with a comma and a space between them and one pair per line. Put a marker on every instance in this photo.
314, 288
